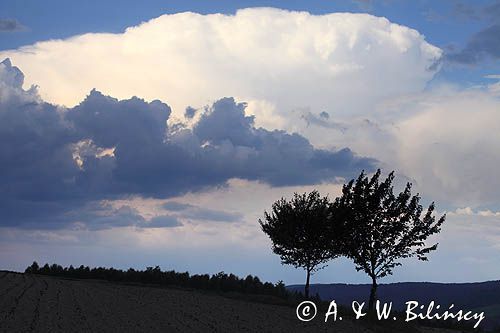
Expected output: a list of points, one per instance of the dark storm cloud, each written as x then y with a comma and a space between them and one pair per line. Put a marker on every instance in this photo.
188, 211
485, 44
58, 164
322, 120
190, 112
176, 206
38, 175
77, 214
10, 25
110, 122
98, 216
226, 122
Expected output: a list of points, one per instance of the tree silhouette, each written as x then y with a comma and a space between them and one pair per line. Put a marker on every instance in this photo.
219, 282
383, 228
33, 269
297, 229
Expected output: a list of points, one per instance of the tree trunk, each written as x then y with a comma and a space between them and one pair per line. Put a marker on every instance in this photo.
373, 294
306, 289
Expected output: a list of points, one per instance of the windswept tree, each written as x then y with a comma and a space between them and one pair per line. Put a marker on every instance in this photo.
383, 228
298, 230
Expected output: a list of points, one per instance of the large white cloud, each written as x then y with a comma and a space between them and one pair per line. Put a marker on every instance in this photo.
277, 60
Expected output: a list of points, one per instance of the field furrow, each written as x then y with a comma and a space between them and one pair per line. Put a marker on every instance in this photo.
35, 303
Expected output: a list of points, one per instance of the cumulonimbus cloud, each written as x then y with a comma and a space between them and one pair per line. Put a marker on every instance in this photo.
341, 63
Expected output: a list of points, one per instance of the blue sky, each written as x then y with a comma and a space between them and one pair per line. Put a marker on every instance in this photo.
152, 136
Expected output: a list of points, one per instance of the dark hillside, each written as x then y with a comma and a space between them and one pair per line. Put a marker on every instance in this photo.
470, 296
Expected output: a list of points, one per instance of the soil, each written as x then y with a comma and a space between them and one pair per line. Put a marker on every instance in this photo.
35, 303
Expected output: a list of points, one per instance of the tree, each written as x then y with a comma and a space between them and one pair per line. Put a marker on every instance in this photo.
297, 230
383, 228
33, 269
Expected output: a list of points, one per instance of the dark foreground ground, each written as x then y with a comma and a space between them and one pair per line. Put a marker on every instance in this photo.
477, 297
34, 303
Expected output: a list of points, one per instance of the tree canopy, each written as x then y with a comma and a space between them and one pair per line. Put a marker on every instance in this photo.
298, 231
383, 228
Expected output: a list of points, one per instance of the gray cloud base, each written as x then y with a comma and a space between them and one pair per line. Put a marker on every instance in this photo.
199, 213
485, 44
57, 161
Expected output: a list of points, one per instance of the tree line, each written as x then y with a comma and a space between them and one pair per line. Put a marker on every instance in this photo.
217, 282
367, 223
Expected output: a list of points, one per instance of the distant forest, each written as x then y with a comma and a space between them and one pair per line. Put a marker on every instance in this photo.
217, 282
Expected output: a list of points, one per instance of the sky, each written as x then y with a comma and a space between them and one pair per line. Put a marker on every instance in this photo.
142, 134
